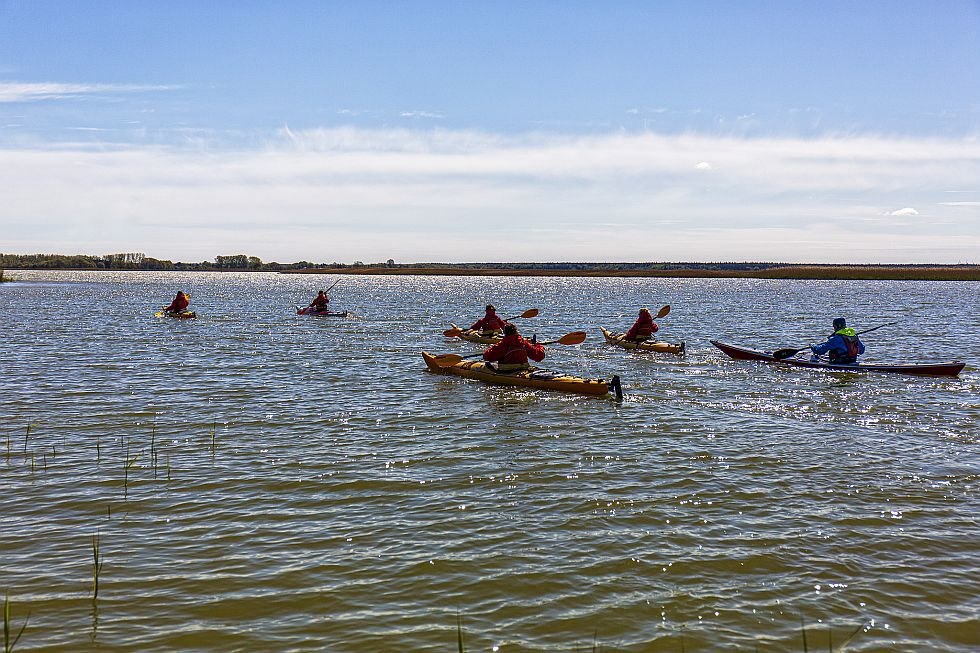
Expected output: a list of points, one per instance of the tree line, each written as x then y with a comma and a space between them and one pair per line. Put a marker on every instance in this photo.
139, 261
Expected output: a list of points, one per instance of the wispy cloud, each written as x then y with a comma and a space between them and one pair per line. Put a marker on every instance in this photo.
37, 91
421, 195
906, 212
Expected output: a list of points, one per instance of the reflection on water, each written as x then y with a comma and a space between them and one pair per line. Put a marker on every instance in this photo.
266, 481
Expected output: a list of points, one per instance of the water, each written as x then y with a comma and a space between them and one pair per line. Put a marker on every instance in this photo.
260, 480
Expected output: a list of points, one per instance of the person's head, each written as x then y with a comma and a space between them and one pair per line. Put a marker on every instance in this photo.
491, 309
839, 324
180, 293
644, 311
510, 330
321, 293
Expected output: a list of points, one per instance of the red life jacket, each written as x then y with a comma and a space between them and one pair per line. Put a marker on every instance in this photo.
178, 304
320, 303
489, 322
643, 328
514, 349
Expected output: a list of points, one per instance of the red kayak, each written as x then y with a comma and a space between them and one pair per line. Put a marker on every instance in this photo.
309, 310
919, 369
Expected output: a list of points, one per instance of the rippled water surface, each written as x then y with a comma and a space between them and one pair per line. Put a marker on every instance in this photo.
259, 480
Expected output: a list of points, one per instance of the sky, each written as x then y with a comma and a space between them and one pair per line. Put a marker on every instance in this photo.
423, 131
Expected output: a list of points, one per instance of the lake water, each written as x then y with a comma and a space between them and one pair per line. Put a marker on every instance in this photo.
260, 480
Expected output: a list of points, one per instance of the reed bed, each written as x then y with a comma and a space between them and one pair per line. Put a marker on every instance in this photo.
802, 272
810, 637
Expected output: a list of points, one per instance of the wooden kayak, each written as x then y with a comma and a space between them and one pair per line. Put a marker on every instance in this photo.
309, 311
529, 378
478, 336
660, 347
919, 369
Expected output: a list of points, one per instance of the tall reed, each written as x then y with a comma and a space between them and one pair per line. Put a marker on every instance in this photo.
8, 645
97, 563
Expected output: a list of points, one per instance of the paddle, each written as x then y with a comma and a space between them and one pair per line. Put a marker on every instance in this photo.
531, 312
786, 352
573, 338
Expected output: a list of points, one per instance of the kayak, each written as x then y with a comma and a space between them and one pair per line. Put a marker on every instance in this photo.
180, 315
660, 347
920, 369
477, 336
530, 378
309, 311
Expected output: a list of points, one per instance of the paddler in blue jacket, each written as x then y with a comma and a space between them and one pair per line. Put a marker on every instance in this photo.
843, 346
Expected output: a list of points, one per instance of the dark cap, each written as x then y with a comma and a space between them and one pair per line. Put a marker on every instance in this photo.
840, 323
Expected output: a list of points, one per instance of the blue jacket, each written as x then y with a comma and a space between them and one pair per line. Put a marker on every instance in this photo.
837, 346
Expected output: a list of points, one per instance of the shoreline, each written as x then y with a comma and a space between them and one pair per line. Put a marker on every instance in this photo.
801, 272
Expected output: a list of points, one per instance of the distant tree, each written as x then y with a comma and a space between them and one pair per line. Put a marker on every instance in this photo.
390, 263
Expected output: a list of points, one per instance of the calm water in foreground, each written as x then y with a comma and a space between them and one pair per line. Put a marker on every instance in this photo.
265, 481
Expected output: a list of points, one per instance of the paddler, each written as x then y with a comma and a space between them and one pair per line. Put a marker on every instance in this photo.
319, 303
179, 304
489, 324
513, 351
843, 345
643, 328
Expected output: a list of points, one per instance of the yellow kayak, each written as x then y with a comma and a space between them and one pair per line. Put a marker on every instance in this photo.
478, 336
661, 347
530, 378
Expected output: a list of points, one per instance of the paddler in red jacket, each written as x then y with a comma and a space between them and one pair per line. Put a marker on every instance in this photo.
179, 303
514, 350
319, 303
643, 328
489, 322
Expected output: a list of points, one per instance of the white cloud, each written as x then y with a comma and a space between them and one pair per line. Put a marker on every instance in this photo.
36, 91
422, 195
704, 165
907, 211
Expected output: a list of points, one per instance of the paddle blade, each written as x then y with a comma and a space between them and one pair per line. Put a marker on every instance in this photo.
158, 314
531, 312
663, 311
452, 333
447, 360
573, 338
780, 354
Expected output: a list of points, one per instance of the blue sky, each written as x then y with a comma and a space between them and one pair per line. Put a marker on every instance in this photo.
510, 131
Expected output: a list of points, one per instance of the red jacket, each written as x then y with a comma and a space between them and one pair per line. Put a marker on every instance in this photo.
489, 322
643, 328
514, 349
179, 303
320, 303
